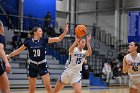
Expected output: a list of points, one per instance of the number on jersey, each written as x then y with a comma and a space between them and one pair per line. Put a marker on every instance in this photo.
78, 60
36, 52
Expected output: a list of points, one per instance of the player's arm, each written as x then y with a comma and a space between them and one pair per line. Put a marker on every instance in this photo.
126, 66
71, 49
2, 53
4, 58
89, 51
17, 51
58, 39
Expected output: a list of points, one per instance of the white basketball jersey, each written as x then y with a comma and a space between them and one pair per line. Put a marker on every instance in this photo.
134, 63
75, 61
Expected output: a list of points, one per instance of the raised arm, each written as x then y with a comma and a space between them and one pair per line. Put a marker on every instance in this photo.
17, 51
89, 51
4, 58
126, 66
71, 49
58, 39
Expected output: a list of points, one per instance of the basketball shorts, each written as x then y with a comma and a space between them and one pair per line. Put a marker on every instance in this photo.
70, 77
35, 69
2, 68
134, 81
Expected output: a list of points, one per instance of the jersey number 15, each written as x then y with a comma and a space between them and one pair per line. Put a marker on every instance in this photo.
78, 60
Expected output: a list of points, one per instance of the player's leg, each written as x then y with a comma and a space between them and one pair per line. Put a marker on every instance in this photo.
32, 77
108, 77
77, 87
59, 85
32, 84
0, 84
4, 83
47, 83
138, 88
132, 87
133, 90
44, 73
61, 82
76, 82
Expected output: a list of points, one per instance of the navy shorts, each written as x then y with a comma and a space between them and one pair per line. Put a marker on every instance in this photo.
2, 68
41, 69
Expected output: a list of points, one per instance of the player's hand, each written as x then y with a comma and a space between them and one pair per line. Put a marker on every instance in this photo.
128, 65
77, 39
88, 38
8, 67
7, 56
129, 62
67, 27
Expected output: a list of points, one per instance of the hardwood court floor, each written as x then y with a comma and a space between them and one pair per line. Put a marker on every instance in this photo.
84, 90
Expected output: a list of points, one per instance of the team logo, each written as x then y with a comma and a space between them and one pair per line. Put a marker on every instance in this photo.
135, 66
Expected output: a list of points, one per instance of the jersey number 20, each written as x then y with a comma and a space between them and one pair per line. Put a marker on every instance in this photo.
36, 52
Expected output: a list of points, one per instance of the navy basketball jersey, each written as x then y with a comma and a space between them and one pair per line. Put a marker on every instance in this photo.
36, 48
2, 39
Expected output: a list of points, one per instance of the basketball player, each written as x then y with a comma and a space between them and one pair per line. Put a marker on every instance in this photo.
4, 63
37, 62
131, 65
73, 68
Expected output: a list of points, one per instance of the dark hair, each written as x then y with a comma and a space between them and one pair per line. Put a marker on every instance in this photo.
33, 30
1, 24
138, 46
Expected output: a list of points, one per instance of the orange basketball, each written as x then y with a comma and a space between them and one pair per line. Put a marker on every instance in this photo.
80, 30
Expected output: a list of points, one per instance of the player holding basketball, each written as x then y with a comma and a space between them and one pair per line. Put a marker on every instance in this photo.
4, 82
76, 58
37, 62
131, 65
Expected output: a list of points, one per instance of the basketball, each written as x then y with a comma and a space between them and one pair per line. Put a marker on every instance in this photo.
80, 30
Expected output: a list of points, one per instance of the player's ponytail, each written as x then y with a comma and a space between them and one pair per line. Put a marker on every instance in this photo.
138, 46
33, 30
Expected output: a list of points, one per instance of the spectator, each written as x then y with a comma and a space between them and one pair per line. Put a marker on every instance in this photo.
61, 30
47, 20
112, 63
16, 41
28, 37
56, 28
121, 55
117, 72
51, 31
47, 23
85, 70
107, 72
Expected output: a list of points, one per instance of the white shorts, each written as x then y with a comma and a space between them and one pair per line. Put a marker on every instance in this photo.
134, 81
70, 77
